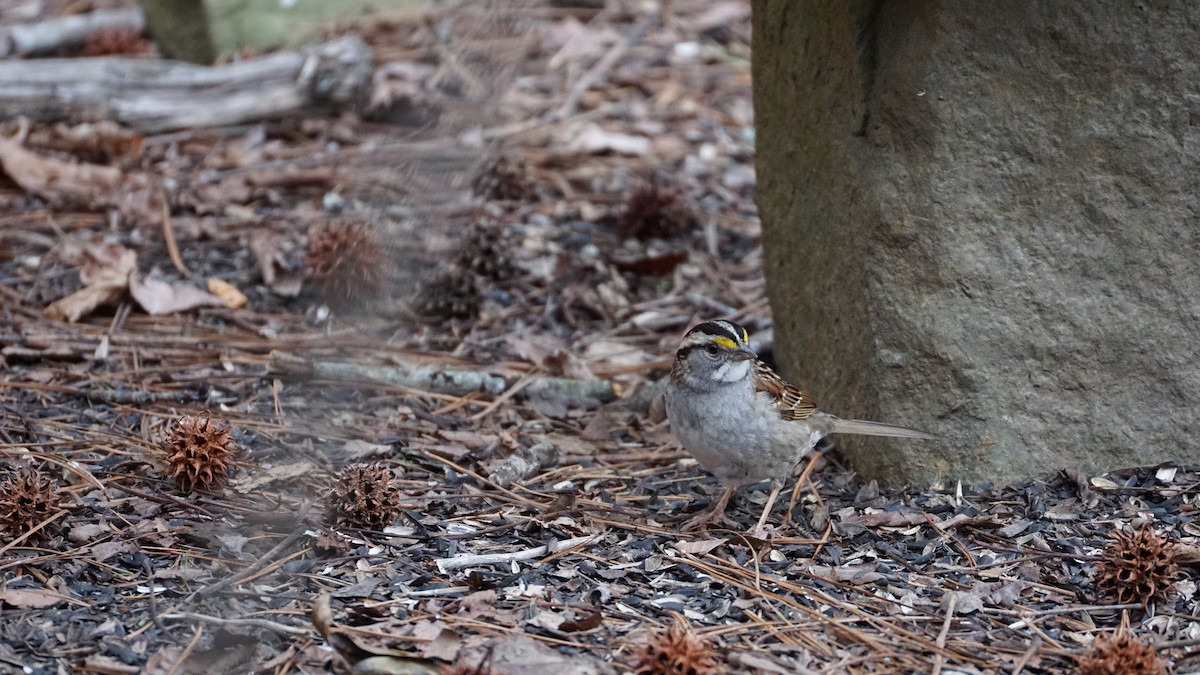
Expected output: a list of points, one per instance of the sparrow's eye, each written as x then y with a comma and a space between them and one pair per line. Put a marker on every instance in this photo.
712, 350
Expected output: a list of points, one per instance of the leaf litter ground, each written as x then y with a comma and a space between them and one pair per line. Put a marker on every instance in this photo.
539, 527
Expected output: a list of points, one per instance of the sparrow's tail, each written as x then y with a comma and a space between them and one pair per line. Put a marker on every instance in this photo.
865, 428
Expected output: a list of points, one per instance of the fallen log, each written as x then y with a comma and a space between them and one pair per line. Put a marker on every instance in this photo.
68, 31
455, 382
154, 96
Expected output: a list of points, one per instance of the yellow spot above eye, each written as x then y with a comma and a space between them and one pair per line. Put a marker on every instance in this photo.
745, 335
724, 342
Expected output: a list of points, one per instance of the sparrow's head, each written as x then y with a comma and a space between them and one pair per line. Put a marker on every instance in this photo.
714, 352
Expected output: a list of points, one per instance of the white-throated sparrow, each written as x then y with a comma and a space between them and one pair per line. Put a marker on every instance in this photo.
742, 421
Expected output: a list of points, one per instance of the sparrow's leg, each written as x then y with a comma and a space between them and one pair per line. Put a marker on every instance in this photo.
816, 457
760, 530
715, 514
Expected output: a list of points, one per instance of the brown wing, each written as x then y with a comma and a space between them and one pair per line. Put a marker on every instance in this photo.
791, 403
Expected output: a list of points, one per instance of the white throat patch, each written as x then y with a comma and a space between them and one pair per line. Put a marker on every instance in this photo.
731, 371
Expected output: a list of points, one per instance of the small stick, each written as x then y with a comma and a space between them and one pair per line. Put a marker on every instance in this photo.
239, 621
168, 228
525, 381
187, 651
941, 638
1034, 645
470, 560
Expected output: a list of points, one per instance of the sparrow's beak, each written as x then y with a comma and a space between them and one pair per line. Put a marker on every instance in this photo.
743, 355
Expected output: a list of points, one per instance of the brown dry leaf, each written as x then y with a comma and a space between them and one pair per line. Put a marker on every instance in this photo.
231, 656
699, 547
215, 198
757, 663
105, 273
439, 641
471, 440
521, 654
87, 185
858, 575
592, 139
99, 663
478, 603
163, 661
228, 293
584, 623
597, 428
550, 353
29, 598
270, 249
357, 450
969, 601
86, 532
1189, 554
1067, 509
276, 473
107, 550
577, 42
106, 260
82, 302
360, 658
616, 360
158, 297
961, 519
95, 141
886, 519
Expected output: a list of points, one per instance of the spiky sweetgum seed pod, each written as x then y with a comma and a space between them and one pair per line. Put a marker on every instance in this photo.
27, 498
483, 252
200, 453
345, 261
1138, 566
1121, 654
365, 496
453, 294
655, 211
503, 179
677, 651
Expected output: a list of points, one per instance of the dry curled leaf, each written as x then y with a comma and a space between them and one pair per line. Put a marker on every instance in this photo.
90, 186
105, 272
158, 297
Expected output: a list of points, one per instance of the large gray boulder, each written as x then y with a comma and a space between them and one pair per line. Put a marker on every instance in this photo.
983, 219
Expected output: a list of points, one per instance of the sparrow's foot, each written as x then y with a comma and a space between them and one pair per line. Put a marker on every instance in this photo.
714, 515
763, 532
708, 518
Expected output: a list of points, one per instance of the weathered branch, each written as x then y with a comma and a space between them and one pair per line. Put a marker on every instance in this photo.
455, 382
155, 96
471, 560
68, 31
